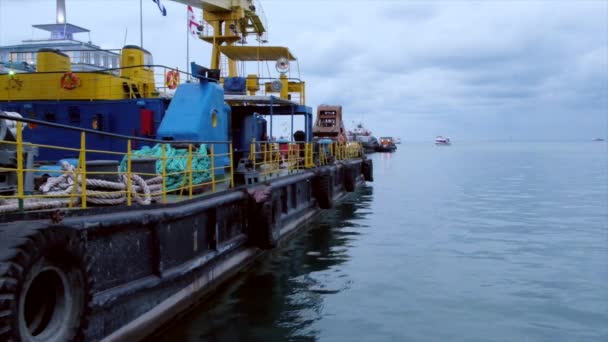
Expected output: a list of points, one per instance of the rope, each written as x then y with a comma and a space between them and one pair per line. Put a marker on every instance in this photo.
99, 191
175, 165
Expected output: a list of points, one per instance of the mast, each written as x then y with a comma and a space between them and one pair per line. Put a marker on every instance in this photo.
61, 15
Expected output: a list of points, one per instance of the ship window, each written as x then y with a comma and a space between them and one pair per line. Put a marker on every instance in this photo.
74, 114
86, 57
71, 56
327, 123
148, 59
50, 117
104, 61
214, 118
27, 57
96, 59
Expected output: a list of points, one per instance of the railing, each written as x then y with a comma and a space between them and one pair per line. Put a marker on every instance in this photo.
159, 172
298, 95
144, 81
271, 158
165, 172
160, 78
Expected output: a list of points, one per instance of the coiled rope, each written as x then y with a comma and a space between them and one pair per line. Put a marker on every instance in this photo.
101, 192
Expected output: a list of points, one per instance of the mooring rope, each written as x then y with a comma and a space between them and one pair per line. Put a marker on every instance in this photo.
98, 191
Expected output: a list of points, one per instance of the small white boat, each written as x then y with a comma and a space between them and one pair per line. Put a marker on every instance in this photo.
442, 141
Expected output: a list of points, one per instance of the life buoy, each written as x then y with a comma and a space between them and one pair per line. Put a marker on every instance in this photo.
172, 79
69, 81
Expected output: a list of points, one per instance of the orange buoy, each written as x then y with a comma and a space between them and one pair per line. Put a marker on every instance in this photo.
69, 81
172, 79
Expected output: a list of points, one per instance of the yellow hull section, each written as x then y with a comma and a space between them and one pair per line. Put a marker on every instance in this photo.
88, 86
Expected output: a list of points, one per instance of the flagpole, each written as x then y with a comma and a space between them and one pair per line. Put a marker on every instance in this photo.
141, 26
188, 42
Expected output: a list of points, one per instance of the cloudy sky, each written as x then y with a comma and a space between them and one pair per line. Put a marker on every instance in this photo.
472, 70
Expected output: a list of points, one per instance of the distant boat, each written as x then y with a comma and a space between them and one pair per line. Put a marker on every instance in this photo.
397, 140
442, 141
386, 144
598, 139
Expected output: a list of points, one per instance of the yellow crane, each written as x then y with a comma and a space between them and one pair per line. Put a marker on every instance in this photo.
230, 22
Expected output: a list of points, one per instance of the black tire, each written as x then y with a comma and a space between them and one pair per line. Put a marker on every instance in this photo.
45, 287
367, 168
263, 225
349, 179
323, 190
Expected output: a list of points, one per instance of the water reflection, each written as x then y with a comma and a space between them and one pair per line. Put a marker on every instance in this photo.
282, 295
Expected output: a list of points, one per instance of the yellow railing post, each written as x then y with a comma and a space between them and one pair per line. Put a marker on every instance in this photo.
83, 170
252, 151
231, 168
164, 173
266, 148
129, 172
20, 165
212, 169
189, 170
309, 155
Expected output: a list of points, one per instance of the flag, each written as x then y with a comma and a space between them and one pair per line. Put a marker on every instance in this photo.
192, 22
161, 7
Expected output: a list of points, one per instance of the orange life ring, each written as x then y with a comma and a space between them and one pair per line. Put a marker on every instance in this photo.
172, 79
69, 81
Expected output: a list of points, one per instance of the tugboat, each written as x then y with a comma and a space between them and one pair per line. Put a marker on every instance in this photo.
387, 144
442, 141
153, 202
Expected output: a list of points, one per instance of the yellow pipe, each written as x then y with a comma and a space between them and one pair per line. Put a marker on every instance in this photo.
83, 170
212, 170
20, 165
129, 172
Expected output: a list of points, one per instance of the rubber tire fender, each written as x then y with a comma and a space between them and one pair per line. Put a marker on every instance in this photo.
350, 180
367, 168
323, 190
263, 224
53, 253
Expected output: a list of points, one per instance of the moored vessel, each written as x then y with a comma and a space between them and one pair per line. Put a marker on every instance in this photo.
386, 144
364, 136
120, 231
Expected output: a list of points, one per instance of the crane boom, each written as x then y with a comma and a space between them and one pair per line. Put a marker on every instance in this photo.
230, 21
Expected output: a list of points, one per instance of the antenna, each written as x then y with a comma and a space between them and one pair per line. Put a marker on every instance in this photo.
126, 30
61, 15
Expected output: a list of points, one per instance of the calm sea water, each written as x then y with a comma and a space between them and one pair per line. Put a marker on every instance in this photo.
472, 242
